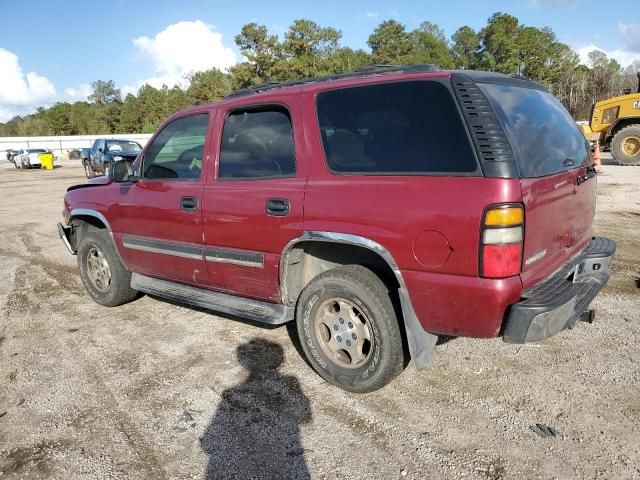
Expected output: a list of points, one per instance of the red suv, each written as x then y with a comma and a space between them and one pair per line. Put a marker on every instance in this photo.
377, 209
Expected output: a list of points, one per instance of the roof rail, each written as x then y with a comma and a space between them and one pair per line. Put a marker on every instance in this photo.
364, 71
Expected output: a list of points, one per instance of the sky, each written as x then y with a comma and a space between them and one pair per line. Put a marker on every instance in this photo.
52, 50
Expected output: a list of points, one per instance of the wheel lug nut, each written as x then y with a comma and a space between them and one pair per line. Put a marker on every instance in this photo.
339, 338
350, 325
348, 343
335, 327
354, 336
342, 320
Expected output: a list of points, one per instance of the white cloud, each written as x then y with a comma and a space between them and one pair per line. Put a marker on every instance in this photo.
20, 92
180, 49
370, 14
623, 57
78, 94
630, 35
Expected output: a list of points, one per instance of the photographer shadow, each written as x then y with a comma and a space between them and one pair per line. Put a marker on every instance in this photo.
255, 433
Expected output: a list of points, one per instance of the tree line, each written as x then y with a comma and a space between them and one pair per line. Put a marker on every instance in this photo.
307, 49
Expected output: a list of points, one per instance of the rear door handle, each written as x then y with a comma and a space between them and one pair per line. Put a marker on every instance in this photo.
189, 204
277, 207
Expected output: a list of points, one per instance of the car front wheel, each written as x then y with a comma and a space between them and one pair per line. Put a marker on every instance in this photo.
101, 270
349, 329
88, 171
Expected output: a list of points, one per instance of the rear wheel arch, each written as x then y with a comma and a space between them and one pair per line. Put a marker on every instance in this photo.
305, 258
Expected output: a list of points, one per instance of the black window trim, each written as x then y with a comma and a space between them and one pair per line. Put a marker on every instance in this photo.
256, 107
441, 80
205, 148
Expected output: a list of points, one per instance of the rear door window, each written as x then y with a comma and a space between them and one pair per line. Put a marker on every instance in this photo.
399, 128
543, 135
257, 143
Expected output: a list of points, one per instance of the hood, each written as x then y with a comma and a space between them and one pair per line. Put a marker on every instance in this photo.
94, 182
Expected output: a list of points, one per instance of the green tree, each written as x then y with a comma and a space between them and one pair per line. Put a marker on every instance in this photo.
104, 92
429, 45
58, 119
261, 49
346, 59
390, 43
205, 87
499, 39
465, 48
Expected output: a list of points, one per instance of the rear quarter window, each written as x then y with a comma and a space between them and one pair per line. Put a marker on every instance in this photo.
399, 128
543, 135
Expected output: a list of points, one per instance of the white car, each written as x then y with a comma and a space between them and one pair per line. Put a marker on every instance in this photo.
29, 157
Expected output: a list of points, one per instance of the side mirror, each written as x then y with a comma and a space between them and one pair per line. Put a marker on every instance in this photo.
121, 172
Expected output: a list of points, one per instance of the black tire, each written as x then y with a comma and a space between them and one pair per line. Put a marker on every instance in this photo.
623, 136
116, 292
88, 169
362, 288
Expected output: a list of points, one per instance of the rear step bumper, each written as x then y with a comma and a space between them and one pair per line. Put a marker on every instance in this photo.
558, 301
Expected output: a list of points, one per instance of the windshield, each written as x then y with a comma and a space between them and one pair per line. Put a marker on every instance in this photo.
544, 137
36, 150
123, 146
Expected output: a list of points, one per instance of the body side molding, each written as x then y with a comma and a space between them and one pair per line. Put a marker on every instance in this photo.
154, 245
421, 343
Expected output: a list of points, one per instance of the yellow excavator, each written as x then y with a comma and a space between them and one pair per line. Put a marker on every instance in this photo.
615, 124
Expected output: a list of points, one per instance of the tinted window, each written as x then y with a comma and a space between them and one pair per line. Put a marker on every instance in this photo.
544, 137
394, 128
257, 144
177, 150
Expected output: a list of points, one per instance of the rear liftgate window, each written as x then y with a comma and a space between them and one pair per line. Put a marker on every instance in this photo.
544, 137
394, 129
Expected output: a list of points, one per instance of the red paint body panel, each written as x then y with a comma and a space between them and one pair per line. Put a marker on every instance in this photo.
460, 305
558, 218
152, 210
234, 211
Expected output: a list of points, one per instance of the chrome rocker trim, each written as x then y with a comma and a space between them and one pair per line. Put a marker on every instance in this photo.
256, 310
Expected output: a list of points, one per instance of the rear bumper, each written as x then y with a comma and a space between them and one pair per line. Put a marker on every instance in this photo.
556, 302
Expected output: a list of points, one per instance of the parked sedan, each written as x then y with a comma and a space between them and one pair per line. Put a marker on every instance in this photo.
29, 158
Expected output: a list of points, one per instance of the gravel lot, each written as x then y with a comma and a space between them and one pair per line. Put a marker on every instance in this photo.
153, 390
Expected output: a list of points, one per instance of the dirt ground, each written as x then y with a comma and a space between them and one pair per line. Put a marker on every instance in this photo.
153, 390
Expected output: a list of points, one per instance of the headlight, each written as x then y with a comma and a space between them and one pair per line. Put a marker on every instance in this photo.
117, 158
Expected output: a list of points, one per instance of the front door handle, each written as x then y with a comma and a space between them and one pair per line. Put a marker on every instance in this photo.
189, 204
277, 207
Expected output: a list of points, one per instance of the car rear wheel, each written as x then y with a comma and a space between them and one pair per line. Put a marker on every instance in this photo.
101, 270
88, 171
349, 329
625, 146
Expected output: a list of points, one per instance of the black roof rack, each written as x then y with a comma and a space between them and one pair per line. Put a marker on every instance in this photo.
361, 72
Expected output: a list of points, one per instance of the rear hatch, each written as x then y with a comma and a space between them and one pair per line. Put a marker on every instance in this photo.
558, 188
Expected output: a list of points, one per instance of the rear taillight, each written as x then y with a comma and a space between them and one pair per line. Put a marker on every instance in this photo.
501, 238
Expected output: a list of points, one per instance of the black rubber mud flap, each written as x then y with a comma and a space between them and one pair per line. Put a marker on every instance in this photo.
422, 344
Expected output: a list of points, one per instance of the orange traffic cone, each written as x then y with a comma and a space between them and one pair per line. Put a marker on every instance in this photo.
597, 158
